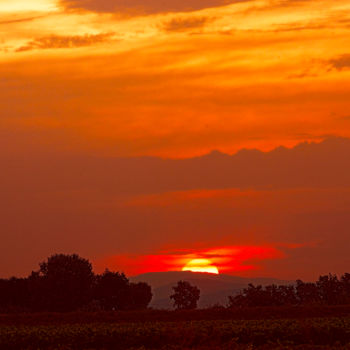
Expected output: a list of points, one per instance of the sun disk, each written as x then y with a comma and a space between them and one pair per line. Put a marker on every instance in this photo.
201, 265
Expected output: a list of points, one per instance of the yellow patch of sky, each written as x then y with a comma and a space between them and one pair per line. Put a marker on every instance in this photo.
15, 6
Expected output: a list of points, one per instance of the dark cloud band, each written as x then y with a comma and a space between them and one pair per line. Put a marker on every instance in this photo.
144, 6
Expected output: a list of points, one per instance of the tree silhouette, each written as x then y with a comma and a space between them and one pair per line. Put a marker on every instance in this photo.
345, 282
287, 295
185, 296
307, 292
330, 290
66, 282
113, 291
14, 294
141, 294
257, 296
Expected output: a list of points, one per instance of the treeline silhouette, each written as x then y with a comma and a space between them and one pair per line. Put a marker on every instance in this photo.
67, 283
328, 290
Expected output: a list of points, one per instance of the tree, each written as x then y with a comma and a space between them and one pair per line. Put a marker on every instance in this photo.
239, 300
257, 295
271, 295
345, 283
307, 292
141, 295
112, 289
66, 282
330, 289
38, 299
185, 296
287, 295
14, 294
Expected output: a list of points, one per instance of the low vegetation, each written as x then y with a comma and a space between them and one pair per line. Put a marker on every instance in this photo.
331, 332
149, 316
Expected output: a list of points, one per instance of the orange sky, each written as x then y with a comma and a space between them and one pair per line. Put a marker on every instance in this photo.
149, 79
96, 79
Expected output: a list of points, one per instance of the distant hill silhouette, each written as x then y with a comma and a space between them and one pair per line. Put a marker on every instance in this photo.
215, 289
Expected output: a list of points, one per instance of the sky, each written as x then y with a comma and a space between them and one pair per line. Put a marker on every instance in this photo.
125, 127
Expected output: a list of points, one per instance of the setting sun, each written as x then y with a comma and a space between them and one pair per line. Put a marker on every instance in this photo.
200, 265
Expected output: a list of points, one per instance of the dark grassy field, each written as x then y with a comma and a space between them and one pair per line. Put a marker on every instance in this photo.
213, 329
254, 313
224, 334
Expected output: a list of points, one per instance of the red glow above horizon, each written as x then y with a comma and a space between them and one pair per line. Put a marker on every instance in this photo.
231, 259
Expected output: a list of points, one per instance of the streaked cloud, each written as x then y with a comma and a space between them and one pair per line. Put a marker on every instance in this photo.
341, 62
19, 20
181, 24
60, 42
144, 7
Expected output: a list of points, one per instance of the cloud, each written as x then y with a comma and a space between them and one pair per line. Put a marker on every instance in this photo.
64, 42
345, 118
20, 20
184, 24
341, 62
144, 7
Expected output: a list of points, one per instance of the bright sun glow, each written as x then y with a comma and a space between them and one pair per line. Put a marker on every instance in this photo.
200, 265
25, 5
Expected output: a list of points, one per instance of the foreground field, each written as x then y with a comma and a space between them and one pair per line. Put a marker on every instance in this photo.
211, 314
316, 333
